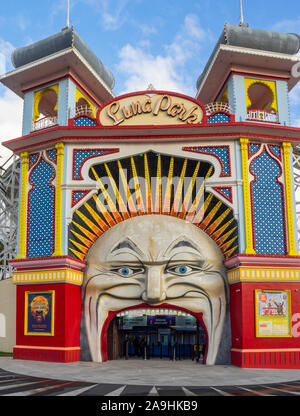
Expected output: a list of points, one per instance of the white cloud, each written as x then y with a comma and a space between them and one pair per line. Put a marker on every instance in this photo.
165, 70
295, 95
6, 49
11, 106
288, 25
11, 110
143, 69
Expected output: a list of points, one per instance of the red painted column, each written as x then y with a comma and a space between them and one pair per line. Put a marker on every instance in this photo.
250, 351
63, 346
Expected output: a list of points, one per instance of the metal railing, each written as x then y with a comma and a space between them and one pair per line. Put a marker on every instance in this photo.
44, 123
85, 110
217, 106
261, 115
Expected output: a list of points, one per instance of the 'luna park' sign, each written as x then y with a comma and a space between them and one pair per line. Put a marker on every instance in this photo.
153, 108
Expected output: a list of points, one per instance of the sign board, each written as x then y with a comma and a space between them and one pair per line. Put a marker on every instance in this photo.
39, 313
153, 108
273, 313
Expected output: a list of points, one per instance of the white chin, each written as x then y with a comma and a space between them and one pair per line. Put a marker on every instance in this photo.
213, 316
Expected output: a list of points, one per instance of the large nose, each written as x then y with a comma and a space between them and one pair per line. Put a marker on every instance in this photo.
154, 285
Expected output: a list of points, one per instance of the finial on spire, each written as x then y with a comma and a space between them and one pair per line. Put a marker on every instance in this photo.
242, 23
68, 13
241, 13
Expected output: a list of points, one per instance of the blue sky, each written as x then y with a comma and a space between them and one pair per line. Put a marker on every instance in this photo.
163, 42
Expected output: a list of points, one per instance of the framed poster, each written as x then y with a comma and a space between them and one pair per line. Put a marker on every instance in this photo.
39, 313
273, 313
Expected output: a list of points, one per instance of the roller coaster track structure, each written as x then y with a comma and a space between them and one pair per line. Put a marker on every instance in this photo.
9, 195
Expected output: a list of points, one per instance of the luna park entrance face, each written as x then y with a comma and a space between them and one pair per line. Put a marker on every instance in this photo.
173, 336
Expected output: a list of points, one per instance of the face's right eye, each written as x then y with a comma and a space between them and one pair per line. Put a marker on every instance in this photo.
126, 271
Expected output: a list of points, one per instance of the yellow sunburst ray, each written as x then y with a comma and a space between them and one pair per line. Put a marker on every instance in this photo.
86, 232
108, 218
110, 202
157, 203
229, 253
130, 201
82, 248
194, 209
121, 203
168, 190
178, 192
195, 214
221, 230
210, 216
88, 243
203, 208
89, 223
225, 237
228, 244
217, 222
148, 185
79, 255
139, 198
189, 192
96, 217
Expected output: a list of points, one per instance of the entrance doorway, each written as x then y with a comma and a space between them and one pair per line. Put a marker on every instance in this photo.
173, 337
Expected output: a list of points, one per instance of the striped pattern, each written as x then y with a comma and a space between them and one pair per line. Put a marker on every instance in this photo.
263, 273
45, 276
12, 384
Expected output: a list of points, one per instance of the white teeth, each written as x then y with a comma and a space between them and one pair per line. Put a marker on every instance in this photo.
152, 312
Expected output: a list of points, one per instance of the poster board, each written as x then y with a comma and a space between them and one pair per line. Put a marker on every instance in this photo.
39, 313
273, 313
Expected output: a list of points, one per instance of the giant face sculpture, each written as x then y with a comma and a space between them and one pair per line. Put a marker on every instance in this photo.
154, 260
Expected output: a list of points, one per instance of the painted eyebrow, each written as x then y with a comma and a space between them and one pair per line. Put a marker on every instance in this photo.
126, 244
184, 243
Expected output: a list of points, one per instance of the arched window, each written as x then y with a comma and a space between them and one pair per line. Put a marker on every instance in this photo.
45, 103
261, 100
261, 97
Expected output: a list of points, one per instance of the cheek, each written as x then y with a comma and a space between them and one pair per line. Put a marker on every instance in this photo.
113, 284
212, 284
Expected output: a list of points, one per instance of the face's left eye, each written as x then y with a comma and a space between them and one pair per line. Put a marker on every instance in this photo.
181, 270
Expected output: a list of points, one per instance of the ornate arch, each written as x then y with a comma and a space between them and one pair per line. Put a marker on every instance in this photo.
152, 183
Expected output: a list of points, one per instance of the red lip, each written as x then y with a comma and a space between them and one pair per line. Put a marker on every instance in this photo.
112, 314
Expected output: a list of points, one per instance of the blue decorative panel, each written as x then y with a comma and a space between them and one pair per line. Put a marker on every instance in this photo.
41, 211
84, 121
78, 195
276, 150
253, 148
219, 118
222, 153
32, 159
52, 155
267, 206
81, 156
226, 192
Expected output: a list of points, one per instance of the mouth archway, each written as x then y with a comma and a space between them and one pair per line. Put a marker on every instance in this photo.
146, 309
